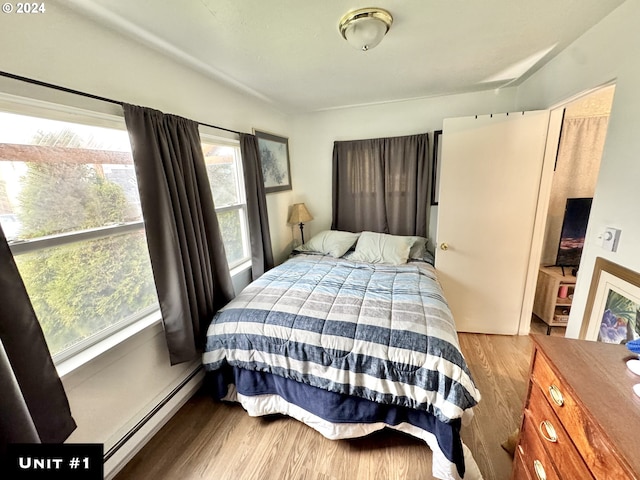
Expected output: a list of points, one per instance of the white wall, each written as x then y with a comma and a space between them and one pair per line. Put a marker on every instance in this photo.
109, 395
113, 392
609, 51
314, 134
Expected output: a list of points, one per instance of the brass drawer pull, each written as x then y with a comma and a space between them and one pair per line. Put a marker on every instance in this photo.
540, 473
556, 395
548, 432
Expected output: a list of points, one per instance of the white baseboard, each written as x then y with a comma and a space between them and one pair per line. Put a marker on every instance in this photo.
139, 435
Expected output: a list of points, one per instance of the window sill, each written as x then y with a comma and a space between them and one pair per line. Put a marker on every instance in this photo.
246, 265
85, 356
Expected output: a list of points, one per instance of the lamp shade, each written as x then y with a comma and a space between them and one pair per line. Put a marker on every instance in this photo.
299, 214
365, 28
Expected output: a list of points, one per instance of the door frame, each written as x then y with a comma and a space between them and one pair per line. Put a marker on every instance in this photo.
556, 119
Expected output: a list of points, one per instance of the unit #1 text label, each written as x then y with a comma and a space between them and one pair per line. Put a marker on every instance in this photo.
45, 461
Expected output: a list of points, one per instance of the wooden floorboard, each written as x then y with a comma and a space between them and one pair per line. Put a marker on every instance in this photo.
211, 440
499, 365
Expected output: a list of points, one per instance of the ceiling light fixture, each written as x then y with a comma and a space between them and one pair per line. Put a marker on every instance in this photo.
365, 28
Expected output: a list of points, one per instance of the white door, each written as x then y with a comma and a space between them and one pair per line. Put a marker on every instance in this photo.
489, 185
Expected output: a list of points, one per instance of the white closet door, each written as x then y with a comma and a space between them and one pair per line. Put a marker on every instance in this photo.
489, 183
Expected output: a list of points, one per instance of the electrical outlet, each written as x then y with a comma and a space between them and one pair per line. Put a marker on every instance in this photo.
610, 239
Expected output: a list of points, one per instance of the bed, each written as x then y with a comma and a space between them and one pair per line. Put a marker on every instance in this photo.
348, 347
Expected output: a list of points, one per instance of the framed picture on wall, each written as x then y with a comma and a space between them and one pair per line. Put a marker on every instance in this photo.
612, 313
274, 158
435, 172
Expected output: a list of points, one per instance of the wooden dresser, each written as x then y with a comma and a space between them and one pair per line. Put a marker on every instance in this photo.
581, 418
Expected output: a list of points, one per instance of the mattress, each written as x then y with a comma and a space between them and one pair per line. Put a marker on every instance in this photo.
378, 337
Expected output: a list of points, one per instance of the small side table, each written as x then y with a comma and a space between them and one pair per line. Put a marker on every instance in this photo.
547, 304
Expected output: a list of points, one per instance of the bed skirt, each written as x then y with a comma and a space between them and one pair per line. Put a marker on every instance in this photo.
337, 416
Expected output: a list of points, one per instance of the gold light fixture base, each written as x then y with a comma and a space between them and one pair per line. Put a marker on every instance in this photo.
366, 27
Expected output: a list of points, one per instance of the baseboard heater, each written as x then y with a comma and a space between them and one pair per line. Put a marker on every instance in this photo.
138, 426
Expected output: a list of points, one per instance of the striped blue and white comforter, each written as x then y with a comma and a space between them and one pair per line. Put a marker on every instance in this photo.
379, 332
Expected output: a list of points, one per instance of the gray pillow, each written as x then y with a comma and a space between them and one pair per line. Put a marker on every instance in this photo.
382, 248
330, 242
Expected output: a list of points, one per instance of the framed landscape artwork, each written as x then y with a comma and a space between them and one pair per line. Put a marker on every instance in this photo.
612, 313
274, 158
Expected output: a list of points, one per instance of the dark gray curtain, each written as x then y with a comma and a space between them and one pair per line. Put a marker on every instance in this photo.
187, 254
381, 185
261, 251
33, 404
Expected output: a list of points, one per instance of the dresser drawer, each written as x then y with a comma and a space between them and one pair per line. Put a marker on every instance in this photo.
519, 471
587, 438
554, 437
537, 464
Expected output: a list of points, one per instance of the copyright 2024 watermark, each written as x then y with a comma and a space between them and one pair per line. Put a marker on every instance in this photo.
19, 8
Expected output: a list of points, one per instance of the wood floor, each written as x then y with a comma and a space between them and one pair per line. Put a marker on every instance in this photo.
210, 440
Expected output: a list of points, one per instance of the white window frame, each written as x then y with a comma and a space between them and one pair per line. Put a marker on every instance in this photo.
19, 247
37, 108
241, 206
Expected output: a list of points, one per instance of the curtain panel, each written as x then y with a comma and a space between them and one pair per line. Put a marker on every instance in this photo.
382, 185
576, 173
185, 245
33, 404
261, 250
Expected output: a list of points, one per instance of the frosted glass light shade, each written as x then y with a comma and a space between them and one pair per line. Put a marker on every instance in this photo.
365, 28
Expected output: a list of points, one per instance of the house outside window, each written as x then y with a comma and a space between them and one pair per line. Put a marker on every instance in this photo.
70, 209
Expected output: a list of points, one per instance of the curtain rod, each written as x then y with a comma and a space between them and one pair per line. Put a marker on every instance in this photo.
90, 95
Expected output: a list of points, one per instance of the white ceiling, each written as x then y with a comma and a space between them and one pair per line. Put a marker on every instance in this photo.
290, 52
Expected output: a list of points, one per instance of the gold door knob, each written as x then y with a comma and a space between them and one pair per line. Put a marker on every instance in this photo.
444, 246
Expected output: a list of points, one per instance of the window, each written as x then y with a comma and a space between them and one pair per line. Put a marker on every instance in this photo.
224, 169
70, 209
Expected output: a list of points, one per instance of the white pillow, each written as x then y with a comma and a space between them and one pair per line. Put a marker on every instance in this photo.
382, 248
330, 242
418, 248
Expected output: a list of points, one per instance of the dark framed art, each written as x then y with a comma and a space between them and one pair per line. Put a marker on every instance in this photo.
612, 313
435, 172
274, 159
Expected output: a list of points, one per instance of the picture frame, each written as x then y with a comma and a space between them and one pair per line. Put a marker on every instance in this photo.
273, 151
435, 172
612, 313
